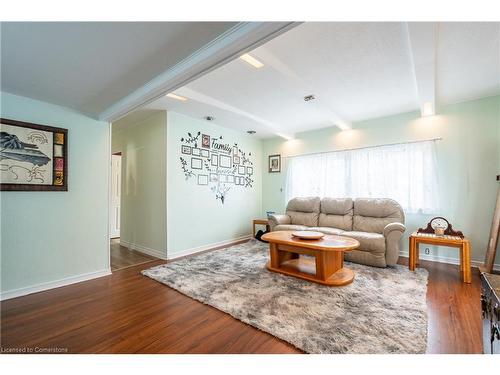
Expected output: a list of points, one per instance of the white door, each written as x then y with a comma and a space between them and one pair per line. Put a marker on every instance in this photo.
116, 174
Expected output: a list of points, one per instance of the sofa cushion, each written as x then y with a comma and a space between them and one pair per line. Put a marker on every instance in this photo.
327, 230
336, 213
373, 214
309, 219
371, 242
304, 204
304, 211
290, 227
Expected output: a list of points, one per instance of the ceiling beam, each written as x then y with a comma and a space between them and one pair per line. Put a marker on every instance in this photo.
208, 100
422, 39
239, 39
303, 88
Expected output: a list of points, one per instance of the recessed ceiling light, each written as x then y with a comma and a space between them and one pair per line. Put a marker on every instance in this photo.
342, 125
309, 98
251, 60
251, 131
427, 109
175, 96
209, 118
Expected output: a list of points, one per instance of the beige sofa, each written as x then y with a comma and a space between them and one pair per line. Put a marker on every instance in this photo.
377, 223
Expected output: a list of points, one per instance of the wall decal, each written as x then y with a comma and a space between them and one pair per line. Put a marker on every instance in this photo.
196, 163
216, 163
202, 179
225, 161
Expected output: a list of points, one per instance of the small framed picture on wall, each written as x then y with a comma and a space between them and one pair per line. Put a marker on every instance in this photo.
274, 163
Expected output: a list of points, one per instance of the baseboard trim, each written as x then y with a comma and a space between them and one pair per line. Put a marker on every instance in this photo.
53, 284
447, 260
143, 249
211, 246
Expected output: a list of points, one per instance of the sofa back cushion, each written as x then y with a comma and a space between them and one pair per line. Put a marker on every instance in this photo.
373, 214
336, 213
304, 211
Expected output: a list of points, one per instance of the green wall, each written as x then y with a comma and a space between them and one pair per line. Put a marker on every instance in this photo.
468, 159
195, 218
51, 236
143, 144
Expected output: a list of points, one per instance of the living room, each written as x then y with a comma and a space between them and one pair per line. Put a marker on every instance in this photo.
284, 187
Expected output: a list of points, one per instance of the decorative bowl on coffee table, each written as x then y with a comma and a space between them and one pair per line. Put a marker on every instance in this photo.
308, 235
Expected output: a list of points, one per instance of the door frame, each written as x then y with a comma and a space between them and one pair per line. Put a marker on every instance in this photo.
118, 153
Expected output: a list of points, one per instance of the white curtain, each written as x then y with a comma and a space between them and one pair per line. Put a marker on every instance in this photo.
405, 172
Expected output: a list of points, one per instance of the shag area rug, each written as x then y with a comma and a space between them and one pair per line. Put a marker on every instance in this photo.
383, 311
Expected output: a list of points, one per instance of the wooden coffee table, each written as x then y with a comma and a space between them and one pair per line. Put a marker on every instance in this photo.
325, 264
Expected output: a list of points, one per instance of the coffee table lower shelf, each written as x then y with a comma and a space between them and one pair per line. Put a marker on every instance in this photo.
304, 268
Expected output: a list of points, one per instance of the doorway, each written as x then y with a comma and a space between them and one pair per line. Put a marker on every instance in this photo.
116, 182
120, 256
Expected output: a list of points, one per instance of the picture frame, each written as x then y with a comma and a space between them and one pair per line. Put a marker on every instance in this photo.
214, 160
205, 153
249, 171
225, 161
202, 179
241, 170
186, 150
205, 141
236, 160
196, 163
195, 151
274, 163
34, 157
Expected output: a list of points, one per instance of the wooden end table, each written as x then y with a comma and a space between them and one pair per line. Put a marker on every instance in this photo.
325, 264
260, 222
452, 241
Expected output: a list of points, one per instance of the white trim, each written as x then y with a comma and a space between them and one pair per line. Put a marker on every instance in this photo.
53, 284
198, 249
447, 260
227, 46
110, 150
143, 249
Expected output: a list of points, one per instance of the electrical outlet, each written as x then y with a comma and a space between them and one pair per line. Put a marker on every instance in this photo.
427, 251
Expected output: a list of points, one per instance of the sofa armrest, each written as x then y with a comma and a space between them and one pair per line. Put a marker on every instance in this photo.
278, 219
393, 227
393, 233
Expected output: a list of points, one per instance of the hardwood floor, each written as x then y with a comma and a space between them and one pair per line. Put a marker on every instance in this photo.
129, 313
122, 257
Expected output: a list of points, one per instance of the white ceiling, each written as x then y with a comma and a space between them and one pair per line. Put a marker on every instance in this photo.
88, 66
357, 71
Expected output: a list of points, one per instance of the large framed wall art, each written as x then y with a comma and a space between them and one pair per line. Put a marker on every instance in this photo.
33, 157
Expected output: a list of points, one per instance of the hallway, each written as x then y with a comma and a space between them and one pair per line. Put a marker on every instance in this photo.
122, 257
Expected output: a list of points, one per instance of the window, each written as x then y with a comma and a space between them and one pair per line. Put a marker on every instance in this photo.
404, 172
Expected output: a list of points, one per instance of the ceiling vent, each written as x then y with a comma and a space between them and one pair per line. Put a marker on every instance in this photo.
308, 98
